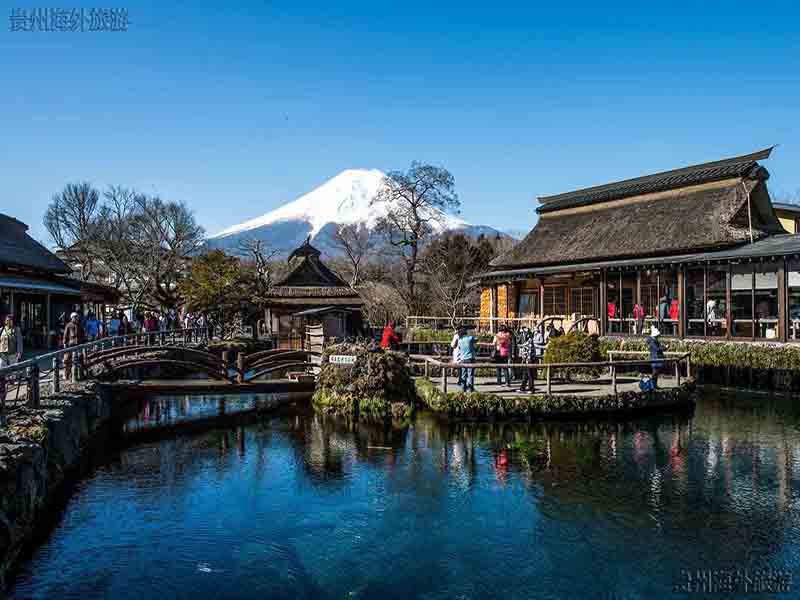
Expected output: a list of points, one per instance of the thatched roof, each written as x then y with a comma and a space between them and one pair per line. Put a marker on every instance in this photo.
638, 218
19, 250
309, 277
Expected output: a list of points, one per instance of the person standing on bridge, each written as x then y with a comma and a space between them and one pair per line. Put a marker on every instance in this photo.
73, 335
10, 343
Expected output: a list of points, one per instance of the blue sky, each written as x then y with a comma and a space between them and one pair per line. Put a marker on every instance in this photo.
238, 108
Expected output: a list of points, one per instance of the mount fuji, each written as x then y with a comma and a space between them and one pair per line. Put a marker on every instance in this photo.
345, 199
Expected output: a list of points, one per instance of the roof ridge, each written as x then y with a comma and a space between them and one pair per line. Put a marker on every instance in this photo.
743, 159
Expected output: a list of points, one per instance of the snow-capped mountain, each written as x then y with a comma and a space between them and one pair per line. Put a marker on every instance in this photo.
343, 200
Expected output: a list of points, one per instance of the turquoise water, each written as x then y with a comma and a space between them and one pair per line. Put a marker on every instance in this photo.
303, 507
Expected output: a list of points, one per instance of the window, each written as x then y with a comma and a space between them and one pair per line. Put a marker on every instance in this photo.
766, 301
554, 301
648, 293
528, 303
717, 302
695, 302
582, 301
628, 300
742, 301
613, 298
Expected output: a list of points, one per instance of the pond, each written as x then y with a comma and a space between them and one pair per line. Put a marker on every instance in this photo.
299, 506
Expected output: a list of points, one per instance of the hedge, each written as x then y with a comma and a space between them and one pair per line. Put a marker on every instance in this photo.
756, 355
477, 405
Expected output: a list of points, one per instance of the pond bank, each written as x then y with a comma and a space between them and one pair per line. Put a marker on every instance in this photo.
39, 449
480, 406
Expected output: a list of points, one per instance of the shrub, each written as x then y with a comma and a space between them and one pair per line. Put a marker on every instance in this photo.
574, 347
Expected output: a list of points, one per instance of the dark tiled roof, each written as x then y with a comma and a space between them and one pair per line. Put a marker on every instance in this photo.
740, 166
685, 222
787, 207
18, 249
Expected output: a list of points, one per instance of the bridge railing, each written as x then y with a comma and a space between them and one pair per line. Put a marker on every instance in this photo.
23, 380
548, 368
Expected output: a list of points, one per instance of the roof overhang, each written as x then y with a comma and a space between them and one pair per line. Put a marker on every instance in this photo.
39, 285
783, 245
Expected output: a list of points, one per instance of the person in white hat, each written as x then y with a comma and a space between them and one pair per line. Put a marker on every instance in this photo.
656, 354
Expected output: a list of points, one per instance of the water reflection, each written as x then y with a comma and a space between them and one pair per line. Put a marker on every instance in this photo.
307, 506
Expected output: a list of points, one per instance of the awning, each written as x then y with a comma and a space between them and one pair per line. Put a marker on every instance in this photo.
39, 285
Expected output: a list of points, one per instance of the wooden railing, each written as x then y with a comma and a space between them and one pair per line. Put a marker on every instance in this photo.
548, 368
30, 374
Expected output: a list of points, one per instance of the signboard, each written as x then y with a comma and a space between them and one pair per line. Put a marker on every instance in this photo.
342, 359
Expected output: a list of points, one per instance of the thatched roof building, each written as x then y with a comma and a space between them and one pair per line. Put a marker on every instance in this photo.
311, 293
702, 207
699, 250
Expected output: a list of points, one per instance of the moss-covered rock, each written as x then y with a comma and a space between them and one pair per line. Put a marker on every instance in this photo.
377, 387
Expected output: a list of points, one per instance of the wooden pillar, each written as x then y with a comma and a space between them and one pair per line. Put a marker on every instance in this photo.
48, 316
240, 367
603, 309
493, 308
56, 385
705, 300
541, 298
681, 303
729, 312
783, 301
33, 386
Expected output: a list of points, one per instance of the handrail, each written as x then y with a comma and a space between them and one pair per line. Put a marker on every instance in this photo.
25, 364
548, 367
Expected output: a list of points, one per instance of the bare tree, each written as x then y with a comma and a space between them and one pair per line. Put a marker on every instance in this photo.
450, 265
71, 221
415, 200
356, 241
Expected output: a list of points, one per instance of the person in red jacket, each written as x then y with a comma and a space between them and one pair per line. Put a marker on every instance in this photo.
389, 340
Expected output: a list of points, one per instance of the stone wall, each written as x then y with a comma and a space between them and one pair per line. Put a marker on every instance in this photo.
38, 449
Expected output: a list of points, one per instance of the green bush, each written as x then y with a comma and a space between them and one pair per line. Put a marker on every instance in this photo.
425, 334
574, 347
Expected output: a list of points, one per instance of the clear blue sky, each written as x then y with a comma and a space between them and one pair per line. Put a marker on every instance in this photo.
238, 108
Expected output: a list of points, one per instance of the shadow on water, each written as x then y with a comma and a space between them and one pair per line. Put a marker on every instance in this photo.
297, 504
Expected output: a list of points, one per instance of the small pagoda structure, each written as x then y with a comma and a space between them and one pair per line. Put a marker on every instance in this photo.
311, 295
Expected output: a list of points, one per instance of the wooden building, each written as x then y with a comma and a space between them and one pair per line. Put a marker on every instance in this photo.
312, 294
35, 287
700, 250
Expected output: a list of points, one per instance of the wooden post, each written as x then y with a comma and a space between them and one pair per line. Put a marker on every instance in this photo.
33, 386
610, 359
56, 385
427, 368
76, 366
681, 304
688, 365
613, 379
603, 308
678, 372
240, 367
226, 356
782, 302
547, 375
444, 379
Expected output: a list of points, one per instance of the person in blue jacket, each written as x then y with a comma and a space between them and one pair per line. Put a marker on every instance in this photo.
656, 355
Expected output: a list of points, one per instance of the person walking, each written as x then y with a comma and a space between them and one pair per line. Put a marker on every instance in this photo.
456, 353
390, 339
527, 354
10, 343
92, 327
73, 335
656, 355
466, 349
502, 354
